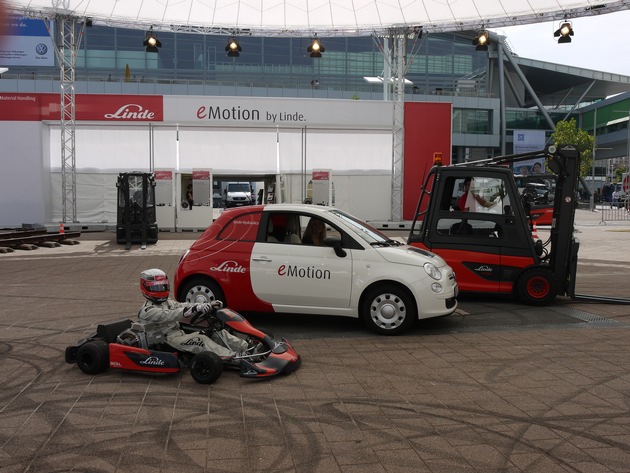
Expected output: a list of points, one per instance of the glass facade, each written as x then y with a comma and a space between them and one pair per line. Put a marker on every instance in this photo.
434, 63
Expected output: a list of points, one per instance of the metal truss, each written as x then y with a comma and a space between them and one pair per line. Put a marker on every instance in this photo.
67, 63
66, 42
398, 69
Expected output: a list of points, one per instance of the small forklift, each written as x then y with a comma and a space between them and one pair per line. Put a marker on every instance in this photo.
474, 217
136, 222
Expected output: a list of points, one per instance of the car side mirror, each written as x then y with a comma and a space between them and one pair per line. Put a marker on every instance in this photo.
335, 243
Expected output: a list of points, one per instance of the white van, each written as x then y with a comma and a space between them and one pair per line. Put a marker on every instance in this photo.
237, 194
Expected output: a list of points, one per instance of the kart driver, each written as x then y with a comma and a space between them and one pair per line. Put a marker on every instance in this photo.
166, 314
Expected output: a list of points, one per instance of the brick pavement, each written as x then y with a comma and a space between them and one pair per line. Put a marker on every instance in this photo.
452, 396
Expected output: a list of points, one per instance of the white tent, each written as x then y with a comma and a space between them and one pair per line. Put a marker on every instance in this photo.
306, 17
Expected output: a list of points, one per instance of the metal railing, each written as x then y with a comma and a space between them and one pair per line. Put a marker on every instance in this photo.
616, 211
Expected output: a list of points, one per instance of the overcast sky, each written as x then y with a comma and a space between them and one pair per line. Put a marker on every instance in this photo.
599, 43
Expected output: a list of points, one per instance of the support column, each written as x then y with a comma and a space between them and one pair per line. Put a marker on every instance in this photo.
399, 53
67, 55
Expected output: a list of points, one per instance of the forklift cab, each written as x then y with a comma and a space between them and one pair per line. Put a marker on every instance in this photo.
136, 220
467, 216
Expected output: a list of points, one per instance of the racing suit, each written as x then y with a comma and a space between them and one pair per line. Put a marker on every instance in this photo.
166, 315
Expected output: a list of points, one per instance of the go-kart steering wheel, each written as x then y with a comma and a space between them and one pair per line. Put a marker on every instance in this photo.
198, 317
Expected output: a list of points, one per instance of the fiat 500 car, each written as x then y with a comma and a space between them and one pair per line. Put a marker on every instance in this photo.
263, 259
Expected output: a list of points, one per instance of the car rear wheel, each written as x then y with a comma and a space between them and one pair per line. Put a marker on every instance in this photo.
388, 309
202, 290
536, 286
93, 357
206, 367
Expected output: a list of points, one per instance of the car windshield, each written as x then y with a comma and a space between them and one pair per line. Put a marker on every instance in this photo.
363, 230
238, 187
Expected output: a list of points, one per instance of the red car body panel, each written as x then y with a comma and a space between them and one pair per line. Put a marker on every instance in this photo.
223, 253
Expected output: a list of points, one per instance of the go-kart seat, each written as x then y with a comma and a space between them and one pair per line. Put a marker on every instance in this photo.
109, 331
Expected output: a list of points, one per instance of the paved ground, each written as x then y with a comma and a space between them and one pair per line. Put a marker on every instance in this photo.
497, 387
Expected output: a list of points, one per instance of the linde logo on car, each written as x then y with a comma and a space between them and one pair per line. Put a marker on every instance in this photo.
131, 111
309, 272
152, 361
483, 269
229, 267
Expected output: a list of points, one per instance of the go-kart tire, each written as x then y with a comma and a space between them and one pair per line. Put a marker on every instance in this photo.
388, 309
93, 357
206, 367
536, 286
201, 290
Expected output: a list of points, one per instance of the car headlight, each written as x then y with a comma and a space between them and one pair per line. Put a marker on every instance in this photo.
432, 271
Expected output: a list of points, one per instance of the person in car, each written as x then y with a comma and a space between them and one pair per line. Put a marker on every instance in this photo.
463, 203
314, 233
167, 313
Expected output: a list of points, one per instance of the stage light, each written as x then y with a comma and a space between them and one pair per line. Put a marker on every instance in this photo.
316, 48
564, 33
233, 49
481, 41
151, 42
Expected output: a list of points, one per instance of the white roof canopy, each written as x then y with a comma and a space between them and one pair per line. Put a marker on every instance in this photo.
324, 17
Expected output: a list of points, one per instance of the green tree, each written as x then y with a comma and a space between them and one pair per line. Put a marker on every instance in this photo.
568, 133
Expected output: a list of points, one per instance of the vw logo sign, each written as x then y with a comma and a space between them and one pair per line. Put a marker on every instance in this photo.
41, 49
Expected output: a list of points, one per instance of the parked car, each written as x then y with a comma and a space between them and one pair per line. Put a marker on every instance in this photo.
535, 193
256, 259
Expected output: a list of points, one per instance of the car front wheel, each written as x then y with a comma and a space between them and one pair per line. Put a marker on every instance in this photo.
388, 310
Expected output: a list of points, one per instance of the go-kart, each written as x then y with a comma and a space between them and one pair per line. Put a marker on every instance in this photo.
137, 346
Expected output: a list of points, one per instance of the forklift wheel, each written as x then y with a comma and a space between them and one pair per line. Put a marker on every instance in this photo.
537, 286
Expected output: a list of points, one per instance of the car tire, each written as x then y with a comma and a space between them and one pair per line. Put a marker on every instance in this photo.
388, 309
536, 286
202, 290
93, 357
206, 367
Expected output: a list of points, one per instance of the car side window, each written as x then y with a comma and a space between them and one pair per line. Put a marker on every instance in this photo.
241, 228
476, 228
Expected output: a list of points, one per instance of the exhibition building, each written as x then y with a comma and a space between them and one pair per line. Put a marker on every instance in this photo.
272, 114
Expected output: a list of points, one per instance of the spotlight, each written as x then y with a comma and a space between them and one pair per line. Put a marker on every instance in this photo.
316, 49
481, 41
564, 33
151, 42
233, 48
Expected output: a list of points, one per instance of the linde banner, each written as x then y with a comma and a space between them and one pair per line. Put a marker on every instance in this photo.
263, 111
526, 141
89, 107
28, 43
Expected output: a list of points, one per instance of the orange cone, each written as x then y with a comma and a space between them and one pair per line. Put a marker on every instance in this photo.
61, 229
535, 232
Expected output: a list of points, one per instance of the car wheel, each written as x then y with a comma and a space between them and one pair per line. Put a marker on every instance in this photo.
202, 290
536, 286
206, 367
388, 309
93, 357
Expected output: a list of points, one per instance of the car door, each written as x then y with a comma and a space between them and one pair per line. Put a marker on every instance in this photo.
291, 274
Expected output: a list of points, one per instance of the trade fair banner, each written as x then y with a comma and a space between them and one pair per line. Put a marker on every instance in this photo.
285, 113
27, 44
527, 141
89, 107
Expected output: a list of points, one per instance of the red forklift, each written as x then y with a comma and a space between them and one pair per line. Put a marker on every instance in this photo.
475, 218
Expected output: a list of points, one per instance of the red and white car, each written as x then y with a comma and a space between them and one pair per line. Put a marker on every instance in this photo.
253, 259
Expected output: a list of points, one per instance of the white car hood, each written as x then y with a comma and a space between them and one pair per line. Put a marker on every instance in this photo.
407, 254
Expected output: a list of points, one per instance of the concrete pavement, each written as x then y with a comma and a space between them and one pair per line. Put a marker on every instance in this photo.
497, 387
